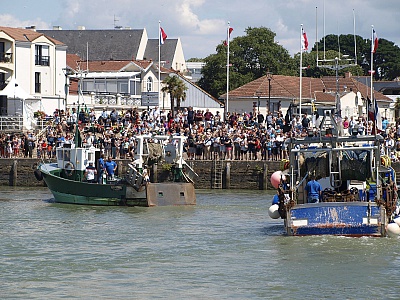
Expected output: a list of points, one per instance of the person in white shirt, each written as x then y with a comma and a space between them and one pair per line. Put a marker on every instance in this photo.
90, 173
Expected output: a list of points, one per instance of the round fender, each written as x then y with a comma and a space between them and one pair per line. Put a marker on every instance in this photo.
38, 175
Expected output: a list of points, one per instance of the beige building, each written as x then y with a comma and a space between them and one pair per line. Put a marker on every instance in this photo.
31, 73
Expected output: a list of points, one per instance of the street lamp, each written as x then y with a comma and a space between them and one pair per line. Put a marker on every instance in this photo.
258, 94
269, 77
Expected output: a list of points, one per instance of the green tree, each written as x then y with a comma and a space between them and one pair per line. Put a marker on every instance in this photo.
251, 57
176, 88
386, 59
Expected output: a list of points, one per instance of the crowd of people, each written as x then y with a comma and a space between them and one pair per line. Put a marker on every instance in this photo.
239, 136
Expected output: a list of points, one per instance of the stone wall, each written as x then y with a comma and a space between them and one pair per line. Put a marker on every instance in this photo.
236, 174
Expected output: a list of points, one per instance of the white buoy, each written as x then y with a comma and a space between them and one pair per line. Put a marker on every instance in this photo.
397, 220
393, 230
273, 211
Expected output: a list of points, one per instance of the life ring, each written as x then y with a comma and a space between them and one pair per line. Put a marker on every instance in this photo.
38, 175
69, 168
385, 160
285, 164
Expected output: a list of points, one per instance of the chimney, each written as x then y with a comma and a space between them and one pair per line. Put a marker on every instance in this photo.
81, 28
57, 28
347, 75
33, 27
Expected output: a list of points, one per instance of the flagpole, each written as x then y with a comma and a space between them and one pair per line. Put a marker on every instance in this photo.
159, 63
301, 66
227, 72
372, 74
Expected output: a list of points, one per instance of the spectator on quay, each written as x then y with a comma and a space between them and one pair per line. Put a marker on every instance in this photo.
251, 144
217, 119
305, 122
243, 147
191, 147
346, 124
260, 118
82, 116
229, 147
29, 144
190, 117
385, 124
236, 146
207, 143
208, 117
269, 118
16, 144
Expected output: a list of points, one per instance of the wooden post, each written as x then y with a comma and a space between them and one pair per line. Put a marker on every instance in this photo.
228, 176
153, 173
265, 176
14, 173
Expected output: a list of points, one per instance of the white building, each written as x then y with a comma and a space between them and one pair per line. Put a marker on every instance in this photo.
31, 73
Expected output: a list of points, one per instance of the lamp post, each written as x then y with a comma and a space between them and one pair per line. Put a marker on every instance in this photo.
269, 77
258, 94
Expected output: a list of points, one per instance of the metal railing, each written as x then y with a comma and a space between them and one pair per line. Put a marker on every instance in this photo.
41, 60
6, 57
14, 123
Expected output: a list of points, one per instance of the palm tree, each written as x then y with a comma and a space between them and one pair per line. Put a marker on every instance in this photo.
176, 89
397, 109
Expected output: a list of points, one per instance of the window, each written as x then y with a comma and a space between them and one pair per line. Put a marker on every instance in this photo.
37, 83
2, 81
42, 55
149, 85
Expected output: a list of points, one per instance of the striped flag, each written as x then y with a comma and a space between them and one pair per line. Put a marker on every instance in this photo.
374, 41
163, 36
230, 29
304, 40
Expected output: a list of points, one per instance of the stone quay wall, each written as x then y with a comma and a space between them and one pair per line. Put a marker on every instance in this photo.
248, 175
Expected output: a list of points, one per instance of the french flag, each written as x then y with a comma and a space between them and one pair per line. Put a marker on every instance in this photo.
304, 40
229, 31
374, 41
163, 36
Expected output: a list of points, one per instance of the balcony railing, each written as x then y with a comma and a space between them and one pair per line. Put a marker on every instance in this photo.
42, 60
11, 123
6, 57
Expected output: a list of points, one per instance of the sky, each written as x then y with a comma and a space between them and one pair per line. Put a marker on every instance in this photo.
202, 24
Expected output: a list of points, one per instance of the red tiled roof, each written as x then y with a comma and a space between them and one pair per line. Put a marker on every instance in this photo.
289, 87
26, 35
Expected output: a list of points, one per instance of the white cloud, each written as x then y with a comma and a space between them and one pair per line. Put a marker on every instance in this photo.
192, 21
11, 21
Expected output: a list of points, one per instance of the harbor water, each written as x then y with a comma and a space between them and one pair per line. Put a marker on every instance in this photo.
225, 247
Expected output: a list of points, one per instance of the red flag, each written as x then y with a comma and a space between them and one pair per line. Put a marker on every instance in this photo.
304, 40
163, 36
230, 29
374, 41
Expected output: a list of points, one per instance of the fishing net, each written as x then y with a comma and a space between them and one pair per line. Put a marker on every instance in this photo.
356, 164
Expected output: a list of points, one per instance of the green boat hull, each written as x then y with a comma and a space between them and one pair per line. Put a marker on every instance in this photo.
69, 191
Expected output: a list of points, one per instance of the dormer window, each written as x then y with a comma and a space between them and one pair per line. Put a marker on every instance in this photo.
42, 55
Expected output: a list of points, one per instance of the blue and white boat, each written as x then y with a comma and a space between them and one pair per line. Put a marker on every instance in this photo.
359, 191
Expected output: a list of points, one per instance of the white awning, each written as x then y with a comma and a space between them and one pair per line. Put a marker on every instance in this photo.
14, 91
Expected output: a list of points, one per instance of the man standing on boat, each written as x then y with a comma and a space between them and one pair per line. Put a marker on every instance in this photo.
313, 189
110, 167
101, 169
90, 173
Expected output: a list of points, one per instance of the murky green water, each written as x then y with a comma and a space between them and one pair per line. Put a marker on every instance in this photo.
226, 247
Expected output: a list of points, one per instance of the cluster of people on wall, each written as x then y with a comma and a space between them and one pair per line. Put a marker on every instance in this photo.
238, 136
